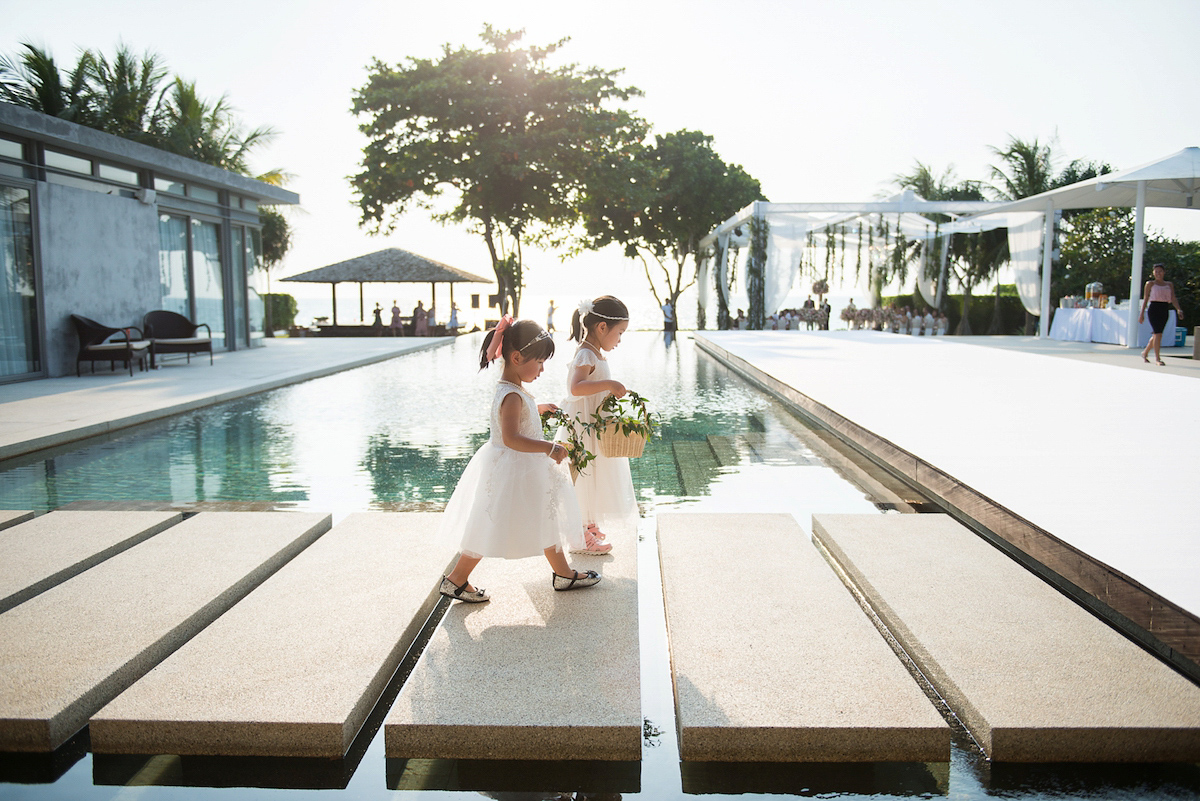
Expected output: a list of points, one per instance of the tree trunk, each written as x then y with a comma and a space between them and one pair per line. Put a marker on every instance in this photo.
964, 325
995, 328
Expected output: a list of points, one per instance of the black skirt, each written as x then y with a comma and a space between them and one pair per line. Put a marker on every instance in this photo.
1158, 314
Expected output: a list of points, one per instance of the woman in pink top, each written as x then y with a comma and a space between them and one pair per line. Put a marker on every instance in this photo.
1160, 295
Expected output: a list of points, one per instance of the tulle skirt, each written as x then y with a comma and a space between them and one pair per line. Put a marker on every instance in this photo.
512, 505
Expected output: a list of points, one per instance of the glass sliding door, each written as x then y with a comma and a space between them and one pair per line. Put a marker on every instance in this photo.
237, 239
256, 280
208, 285
20, 352
173, 264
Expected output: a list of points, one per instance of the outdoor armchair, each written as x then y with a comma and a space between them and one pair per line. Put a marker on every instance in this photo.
174, 333
102, 343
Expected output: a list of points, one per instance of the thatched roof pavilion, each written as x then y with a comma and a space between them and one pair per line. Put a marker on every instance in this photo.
388, 266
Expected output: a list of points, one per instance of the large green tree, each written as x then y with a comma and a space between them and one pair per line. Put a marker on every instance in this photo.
514, 140
659, 201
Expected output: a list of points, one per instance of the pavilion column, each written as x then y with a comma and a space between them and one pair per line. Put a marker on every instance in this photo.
362, 315
1047, 261
333, 286
1135, 278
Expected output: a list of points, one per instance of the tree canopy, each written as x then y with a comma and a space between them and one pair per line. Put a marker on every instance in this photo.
659, 201
515, 141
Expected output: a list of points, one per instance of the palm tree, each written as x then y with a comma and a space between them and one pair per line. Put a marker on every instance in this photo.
125, 92
186, 124
33, 80
1025, 168
930, 185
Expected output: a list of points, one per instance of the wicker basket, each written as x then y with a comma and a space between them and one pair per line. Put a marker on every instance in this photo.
615, 444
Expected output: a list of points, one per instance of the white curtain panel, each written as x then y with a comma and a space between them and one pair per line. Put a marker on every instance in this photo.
1025, 256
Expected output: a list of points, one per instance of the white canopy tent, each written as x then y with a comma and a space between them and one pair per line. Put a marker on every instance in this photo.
790, 224
1169, 182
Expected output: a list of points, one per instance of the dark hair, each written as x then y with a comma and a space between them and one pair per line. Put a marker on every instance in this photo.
519, 336
605, 309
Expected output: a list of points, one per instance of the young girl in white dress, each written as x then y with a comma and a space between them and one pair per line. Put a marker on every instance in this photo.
512, 501
605, 488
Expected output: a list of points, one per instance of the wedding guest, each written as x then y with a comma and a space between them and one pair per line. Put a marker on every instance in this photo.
1160, 295
396, 325
420, 320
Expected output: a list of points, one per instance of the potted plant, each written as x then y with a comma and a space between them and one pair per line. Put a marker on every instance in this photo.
578, 456
622, 425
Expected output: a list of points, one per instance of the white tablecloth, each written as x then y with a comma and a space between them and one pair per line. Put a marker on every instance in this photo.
1104, 325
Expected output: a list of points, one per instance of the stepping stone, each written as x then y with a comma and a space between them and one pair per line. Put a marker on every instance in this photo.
75, 647
1034, 676
697, 466
295, 668
532, 674
12, 517
772, 658
724, 450
48, 550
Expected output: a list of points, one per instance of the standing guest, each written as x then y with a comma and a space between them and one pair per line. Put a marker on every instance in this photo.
826, 310
1160, 295
550, 318
377, 323
853, 314
397, 325
943, 323
927, 322
510, 501
452, 325
668, 310
420, 320
741, 322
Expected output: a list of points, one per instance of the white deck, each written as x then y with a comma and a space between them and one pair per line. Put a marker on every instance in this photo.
1091, 449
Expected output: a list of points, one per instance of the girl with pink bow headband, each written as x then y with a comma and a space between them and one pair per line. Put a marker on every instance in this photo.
511, 501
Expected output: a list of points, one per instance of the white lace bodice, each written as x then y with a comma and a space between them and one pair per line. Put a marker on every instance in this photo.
531, 422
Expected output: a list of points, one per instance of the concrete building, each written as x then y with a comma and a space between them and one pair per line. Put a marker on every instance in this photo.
101, 226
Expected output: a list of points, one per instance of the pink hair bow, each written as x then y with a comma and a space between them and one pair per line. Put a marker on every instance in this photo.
497, 344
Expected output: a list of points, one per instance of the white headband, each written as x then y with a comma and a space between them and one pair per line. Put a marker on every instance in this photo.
587, 307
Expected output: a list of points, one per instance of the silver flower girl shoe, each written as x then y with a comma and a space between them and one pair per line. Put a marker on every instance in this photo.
580, 580
457, 593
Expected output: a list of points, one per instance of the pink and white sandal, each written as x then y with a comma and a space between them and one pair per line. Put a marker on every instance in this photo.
595, 531
593, 545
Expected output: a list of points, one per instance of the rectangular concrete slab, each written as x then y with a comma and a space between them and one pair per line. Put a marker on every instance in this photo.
532, 674
73, 648
1034, 676
295, 668
48, 550
10, 517
772, 658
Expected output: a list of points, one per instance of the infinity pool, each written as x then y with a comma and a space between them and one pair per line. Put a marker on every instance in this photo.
396, 435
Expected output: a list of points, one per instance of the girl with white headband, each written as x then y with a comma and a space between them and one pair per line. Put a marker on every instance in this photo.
605, 488
511, 501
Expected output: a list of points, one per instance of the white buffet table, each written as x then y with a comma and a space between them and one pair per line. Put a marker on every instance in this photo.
1103, 325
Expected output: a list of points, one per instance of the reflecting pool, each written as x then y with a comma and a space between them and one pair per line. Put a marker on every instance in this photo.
396, 435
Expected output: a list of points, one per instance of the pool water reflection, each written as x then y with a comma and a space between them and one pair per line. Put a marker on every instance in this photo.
396, 435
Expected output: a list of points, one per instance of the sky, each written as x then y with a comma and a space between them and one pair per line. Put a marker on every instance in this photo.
819, 101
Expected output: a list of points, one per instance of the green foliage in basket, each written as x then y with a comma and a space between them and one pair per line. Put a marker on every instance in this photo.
557, 420
628, 413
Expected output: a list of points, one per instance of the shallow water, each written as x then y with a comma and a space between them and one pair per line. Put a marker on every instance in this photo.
396, 435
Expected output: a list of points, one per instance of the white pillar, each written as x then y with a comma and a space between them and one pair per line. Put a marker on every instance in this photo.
1047, 261
1135, 278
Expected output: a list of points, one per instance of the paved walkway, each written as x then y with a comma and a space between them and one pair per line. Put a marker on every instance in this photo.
1097, 448
52, 411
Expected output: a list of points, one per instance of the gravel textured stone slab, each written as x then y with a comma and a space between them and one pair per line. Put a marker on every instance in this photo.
772, 658
10, 517
295, 668
73, 648
48, 550
534, 673
1034, 676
